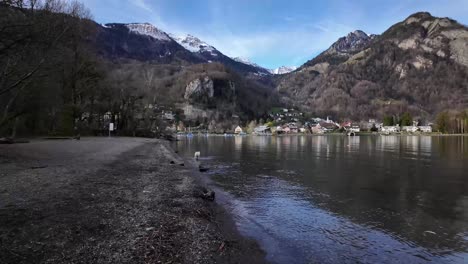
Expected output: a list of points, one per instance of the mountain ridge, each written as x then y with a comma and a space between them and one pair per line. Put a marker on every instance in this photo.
406, 68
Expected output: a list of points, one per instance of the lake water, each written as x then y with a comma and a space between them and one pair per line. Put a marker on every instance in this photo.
338, 199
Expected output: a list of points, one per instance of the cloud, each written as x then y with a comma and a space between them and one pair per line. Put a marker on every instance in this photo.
141, 4
277, 47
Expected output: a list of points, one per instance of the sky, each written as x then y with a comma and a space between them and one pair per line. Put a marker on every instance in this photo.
271, 33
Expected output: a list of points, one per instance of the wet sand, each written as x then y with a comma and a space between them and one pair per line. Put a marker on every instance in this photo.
110, 200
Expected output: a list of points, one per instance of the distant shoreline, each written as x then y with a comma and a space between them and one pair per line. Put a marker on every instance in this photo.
325, 134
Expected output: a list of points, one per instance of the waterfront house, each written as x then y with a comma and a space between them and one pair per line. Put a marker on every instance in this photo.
293, 128
346, 125
279, 130
262, 130
238, 130
286, 129
390, 129
410, 129
354, 129
425, 129
324, 127
317, 129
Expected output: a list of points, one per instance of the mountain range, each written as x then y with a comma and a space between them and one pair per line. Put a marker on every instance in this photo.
359, 75
418, 65
167, 49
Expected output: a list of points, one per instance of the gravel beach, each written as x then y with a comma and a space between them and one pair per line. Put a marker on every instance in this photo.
110, 200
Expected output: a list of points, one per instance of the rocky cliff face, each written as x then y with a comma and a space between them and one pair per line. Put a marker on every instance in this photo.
440, 36
343, 49
417, 65
201, 89
207, 97
353, 42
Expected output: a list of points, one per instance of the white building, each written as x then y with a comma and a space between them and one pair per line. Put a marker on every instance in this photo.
354, 129
262, 130
425, 129
238, 130
410, 129
390, 129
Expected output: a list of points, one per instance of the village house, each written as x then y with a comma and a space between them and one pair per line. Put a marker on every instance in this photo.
279, 130
238, 130
293, 128
425, 129
354, 128
262, 130
324, 127
390, 129
346, 125
316, 120
410, 129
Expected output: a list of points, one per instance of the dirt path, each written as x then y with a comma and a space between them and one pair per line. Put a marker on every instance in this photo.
104, 200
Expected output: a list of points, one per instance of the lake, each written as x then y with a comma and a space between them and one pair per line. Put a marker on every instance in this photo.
338, 199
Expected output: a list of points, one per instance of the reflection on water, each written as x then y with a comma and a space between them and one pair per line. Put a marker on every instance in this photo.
329, 199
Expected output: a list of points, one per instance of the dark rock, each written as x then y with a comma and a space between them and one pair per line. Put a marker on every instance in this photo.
172, 162
206, 194
39, 167
6, 141
202, 169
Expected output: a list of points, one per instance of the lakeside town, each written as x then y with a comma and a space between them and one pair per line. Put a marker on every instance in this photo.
284, 121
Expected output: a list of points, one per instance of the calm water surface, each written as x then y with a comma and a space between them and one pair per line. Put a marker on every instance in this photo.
334, 199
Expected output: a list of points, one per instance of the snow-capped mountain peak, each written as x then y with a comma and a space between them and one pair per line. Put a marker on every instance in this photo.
193, 44
280, 70
148, 30
283, 69
245, 61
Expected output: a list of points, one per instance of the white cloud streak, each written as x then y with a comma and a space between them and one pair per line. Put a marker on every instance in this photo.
141, 4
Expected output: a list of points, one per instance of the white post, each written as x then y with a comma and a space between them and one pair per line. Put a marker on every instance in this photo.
111, 128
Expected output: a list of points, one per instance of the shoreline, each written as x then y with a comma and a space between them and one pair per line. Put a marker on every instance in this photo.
324, 134
249, 250
111, 200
